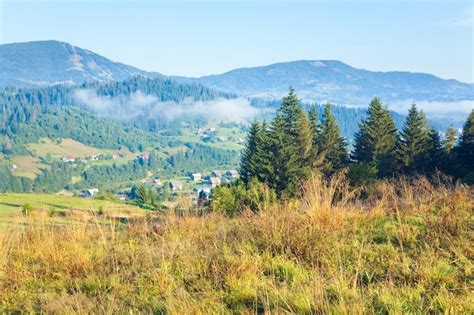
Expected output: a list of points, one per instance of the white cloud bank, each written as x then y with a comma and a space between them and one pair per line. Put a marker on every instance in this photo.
139, 105
430, 107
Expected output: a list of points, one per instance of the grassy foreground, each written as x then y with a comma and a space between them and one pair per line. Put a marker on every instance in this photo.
405, 249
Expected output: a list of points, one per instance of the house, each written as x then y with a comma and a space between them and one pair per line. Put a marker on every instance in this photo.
89, 193
232, 173
215, 181
67, 159
176, 186
216, 173
94, 158
196, 177
13, 167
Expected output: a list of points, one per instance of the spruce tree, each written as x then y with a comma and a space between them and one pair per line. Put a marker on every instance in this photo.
305, 143
376, 140
284, 160
255, 161
436, 154
330, 143
291, 138
414, 141
466, 145
247, 162
450, 139
317, 156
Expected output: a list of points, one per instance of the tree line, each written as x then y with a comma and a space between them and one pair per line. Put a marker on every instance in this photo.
296, 143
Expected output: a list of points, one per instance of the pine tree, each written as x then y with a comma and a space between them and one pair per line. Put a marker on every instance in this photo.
414, 141
376, 140
450, 139
330, 143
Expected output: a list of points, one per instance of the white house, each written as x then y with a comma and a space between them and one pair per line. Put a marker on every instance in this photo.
69, 159
196, 177
89, 193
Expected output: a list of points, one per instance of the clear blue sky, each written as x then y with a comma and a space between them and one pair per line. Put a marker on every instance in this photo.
202, 37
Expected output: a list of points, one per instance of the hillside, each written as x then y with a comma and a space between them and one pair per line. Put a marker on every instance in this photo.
53, 62
390, 254
337, 82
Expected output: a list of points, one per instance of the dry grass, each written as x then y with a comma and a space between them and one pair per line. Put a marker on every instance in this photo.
407, 248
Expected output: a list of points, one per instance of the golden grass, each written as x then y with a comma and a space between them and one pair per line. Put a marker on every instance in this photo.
407, 248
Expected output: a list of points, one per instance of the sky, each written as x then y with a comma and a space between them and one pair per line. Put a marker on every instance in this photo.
194, 38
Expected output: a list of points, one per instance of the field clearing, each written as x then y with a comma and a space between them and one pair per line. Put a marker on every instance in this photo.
27, 166
12, 204
63, 148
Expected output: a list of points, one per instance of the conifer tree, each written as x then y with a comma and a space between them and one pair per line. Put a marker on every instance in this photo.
291, 139
450, 139
414, 141
305, 142
376, 140
247, 162
255, 161
466, 144
317, 156
330, 143
436, 154
284, 159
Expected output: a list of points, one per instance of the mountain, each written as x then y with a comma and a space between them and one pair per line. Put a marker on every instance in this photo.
337, 82
52, 62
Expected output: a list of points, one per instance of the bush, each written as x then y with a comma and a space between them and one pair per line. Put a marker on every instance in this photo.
235, 198
26, 209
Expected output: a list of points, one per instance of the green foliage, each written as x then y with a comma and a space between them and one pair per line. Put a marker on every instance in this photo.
234, 199
414, 142
377, 139
331, 146
450, 139
362, 173
26, 209
144, 196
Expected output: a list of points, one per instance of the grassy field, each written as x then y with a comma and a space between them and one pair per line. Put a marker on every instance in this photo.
407, 248
28, 166
63, 148
13, 203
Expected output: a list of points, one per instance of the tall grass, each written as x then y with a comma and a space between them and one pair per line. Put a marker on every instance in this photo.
394, 247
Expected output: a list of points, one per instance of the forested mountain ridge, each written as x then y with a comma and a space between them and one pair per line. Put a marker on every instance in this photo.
337, 82
52, 62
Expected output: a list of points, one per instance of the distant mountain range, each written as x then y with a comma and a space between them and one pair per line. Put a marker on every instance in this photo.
336, 82
52, 62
